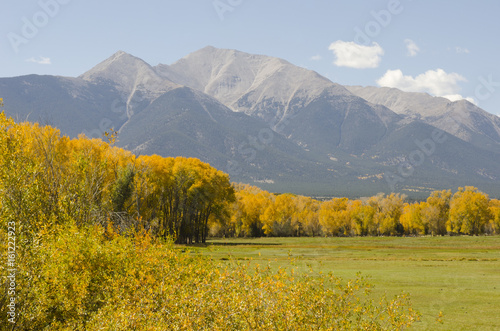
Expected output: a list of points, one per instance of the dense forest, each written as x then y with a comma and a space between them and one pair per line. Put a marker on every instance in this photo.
87, 238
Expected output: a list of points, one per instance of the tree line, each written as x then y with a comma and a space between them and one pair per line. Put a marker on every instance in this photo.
258, 213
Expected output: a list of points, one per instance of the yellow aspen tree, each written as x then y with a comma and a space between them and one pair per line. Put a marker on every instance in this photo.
469, 211
306, 218
412, 220
362, 218
436, 212
495, 215
277, 218
333, 216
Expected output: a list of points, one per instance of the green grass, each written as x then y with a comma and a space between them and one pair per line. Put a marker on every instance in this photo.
459, 276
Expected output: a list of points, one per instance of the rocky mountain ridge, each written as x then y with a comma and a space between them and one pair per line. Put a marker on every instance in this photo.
272, 124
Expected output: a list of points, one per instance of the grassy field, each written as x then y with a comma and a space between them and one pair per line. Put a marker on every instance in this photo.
459, 276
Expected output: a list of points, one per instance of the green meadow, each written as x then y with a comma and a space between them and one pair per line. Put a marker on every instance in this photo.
458, 277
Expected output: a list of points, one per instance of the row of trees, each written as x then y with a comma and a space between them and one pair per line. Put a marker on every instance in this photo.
47, 178
258, 213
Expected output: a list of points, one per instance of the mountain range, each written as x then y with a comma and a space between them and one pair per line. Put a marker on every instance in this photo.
272, 124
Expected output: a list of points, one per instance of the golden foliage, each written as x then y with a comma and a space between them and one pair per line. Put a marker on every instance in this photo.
469, 211
257, 212
46, 176
87, 278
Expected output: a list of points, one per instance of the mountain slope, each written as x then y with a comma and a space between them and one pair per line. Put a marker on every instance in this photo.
137, 81
271, 124
186, 122
259, 85
460, 118
129, 73
299, 103
70, 104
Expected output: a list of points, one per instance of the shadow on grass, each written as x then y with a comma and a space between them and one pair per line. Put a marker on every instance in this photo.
217, 243
241, 244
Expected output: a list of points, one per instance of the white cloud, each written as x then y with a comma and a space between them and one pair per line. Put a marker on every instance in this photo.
436, 82
42, 60
456, 97
352, 55
461, 50
316, 58
411, 47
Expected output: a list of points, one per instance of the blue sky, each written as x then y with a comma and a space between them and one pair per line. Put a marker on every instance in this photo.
441, 47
